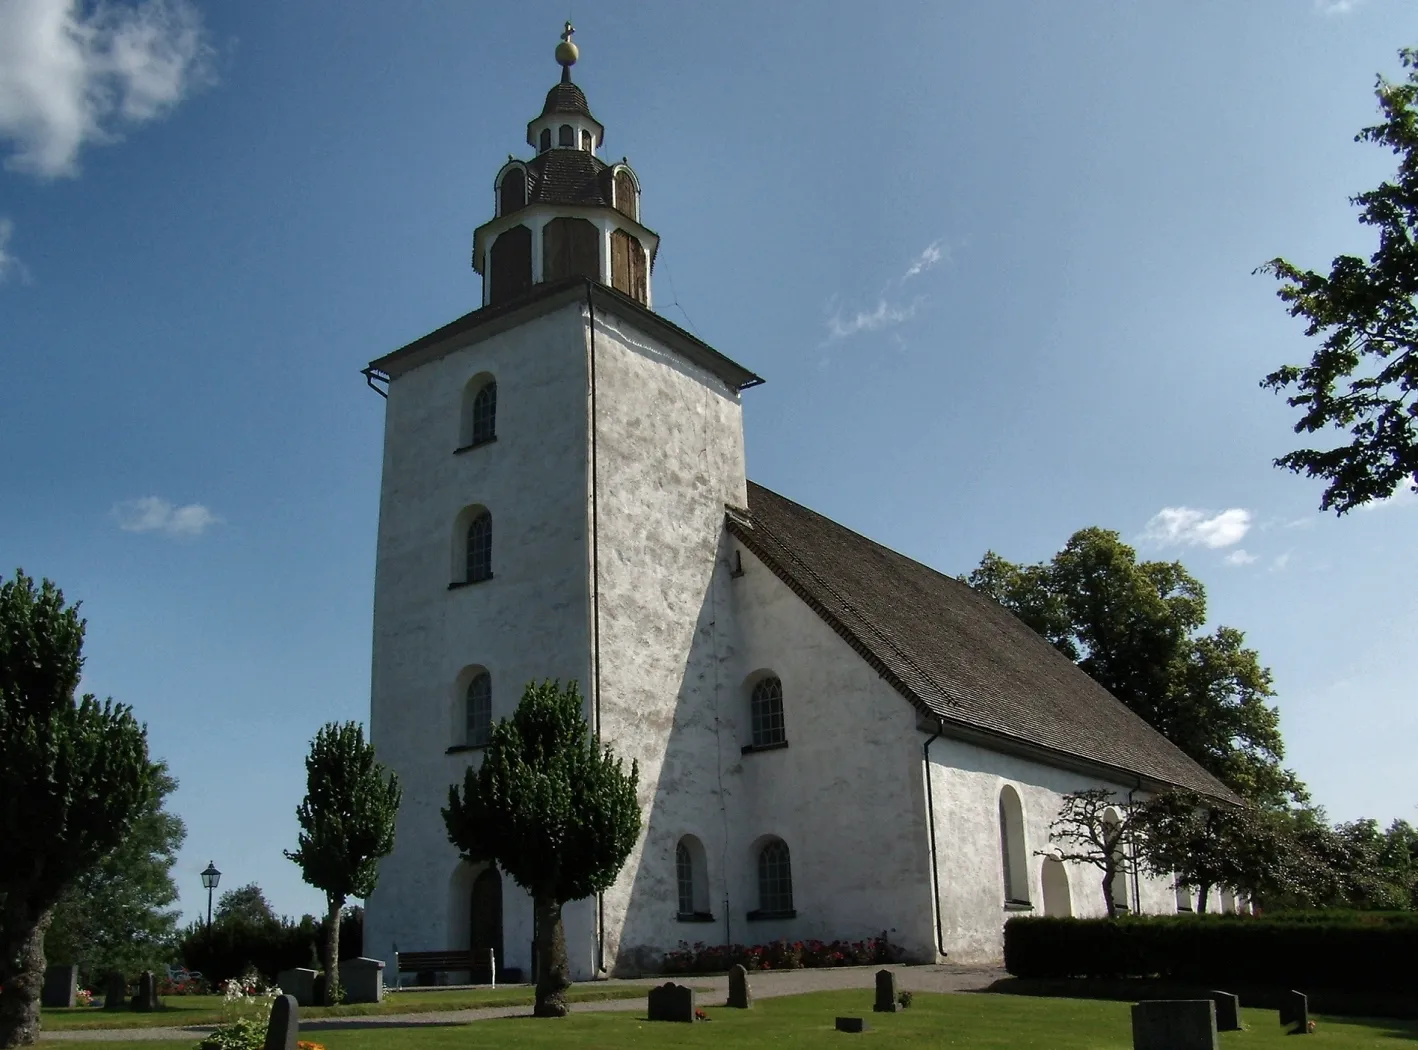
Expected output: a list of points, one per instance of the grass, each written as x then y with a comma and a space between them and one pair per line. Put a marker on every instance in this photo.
179, 1011
976, 1022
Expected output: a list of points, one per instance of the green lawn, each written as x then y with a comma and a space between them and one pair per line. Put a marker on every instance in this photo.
973, 1021
182, 1010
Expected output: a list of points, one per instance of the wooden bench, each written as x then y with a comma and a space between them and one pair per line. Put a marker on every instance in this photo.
445, 962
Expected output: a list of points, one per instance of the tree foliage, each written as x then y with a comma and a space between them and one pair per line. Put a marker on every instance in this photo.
74, 776
245, 903
118, 915
1135, 628
1097, 828
347, 824
1363, 377
552, 810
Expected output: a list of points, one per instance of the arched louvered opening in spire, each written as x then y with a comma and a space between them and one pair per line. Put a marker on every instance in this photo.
628, 265
570, 247
625, 194
512, 191
510, 265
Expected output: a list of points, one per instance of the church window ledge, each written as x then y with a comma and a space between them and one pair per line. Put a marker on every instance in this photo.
1018, 906
468, 583
759, 915
694, 916
749, 749
476, 444
459, 748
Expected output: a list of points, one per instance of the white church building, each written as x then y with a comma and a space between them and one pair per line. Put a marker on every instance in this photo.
834, 740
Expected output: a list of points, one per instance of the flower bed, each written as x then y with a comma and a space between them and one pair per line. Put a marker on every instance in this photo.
779, 955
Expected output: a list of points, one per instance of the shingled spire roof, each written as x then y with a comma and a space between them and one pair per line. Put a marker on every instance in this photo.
960, 657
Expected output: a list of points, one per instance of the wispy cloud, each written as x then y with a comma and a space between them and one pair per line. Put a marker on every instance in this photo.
1240, 556
155, 514
930, 255
1402, 496
1186, 526
73, 73
10, 265
891, 306
1281, 560
1336, 7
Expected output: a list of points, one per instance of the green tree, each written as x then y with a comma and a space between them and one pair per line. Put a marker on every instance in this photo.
347, 824
552, 810
74, 776
245, 903
118, 915
1096, 828
1134, 627
1363, 377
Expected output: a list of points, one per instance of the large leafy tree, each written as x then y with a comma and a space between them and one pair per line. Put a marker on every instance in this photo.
1363, 377
552, 810
118, 915
1135, 628
74, 777
346, 825
246, 904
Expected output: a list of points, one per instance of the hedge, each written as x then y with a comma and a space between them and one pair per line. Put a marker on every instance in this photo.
1342, 954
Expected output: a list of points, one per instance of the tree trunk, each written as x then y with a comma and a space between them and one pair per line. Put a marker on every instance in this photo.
552, 966
1108, 876
1202, 892
332, 949
21, 975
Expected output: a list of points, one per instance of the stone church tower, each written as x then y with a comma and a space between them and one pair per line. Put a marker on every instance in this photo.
556, 469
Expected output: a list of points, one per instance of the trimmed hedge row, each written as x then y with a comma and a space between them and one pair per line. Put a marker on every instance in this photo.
1223, 952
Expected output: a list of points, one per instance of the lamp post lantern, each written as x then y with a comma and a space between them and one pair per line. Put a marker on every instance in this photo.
210, 878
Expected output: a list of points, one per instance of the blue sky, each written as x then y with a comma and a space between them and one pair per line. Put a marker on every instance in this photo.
994, 260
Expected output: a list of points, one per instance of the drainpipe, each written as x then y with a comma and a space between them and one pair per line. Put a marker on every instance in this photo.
930, 822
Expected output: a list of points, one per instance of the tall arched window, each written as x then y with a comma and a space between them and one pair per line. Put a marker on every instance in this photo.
511, 191
1113, 833
1011, 843
766, 712
478, 712
684, 878
586, 141
484, 422
480, 548
1184, 897
624, 188
775, 879
566, 135
544, 140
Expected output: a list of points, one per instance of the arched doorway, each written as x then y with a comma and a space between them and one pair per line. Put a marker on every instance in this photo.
485, 931
1058, 903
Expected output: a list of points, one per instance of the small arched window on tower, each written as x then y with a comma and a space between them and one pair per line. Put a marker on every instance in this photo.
628, 265
512, 191
766, 712
478, 712
623, 186
566, 135
587, 142
480, 548
775, 882
544, 140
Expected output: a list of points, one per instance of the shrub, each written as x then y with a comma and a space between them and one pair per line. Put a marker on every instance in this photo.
1343, 954
779, 955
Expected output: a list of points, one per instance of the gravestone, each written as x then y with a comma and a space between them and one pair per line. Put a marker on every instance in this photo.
672, 1002
1295, 1013
363, 980
115, 991
740, 997
145, 999
300, 983
283, 1029
886, 993
1174, 1024
851, 1024
61, 986
1228, 1011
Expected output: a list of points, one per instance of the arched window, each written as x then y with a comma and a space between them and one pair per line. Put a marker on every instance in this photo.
484, 415
624, 189
587, 142
766, 713
1053, 879
1111, 831
691, 880
1228, 901
684, 878
512, 191
1184, 897
510, 265
480, 548
544, 140
775, 879
478, 712
566, 135
1011, 844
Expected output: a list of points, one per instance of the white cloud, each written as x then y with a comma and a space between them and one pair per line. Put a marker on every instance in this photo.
1239, 556
1176, 526
1403, 495
10, 265
1281, 560
930, 255
1336, 7
884, 316
74, 73
155, 514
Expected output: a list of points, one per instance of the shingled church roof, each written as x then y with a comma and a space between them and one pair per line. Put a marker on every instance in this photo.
956, 654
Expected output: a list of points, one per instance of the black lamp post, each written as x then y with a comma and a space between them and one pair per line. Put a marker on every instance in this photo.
210, 878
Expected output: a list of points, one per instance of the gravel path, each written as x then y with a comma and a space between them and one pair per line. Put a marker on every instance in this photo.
711, 989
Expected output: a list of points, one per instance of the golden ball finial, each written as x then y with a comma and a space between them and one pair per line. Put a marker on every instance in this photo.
566, 52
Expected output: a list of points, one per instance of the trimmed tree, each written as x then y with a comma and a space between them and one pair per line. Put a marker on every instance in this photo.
554, 811
1095, 828
74, 776
346, 826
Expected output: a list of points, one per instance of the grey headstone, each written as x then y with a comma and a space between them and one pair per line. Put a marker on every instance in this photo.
362, 979
1174, 1024
283, 1029
885, 993
115, 991
1295, 1013
740, 997
851, 1024
145, 999
61, 986
1228, 1011
300, 983
672, 1002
